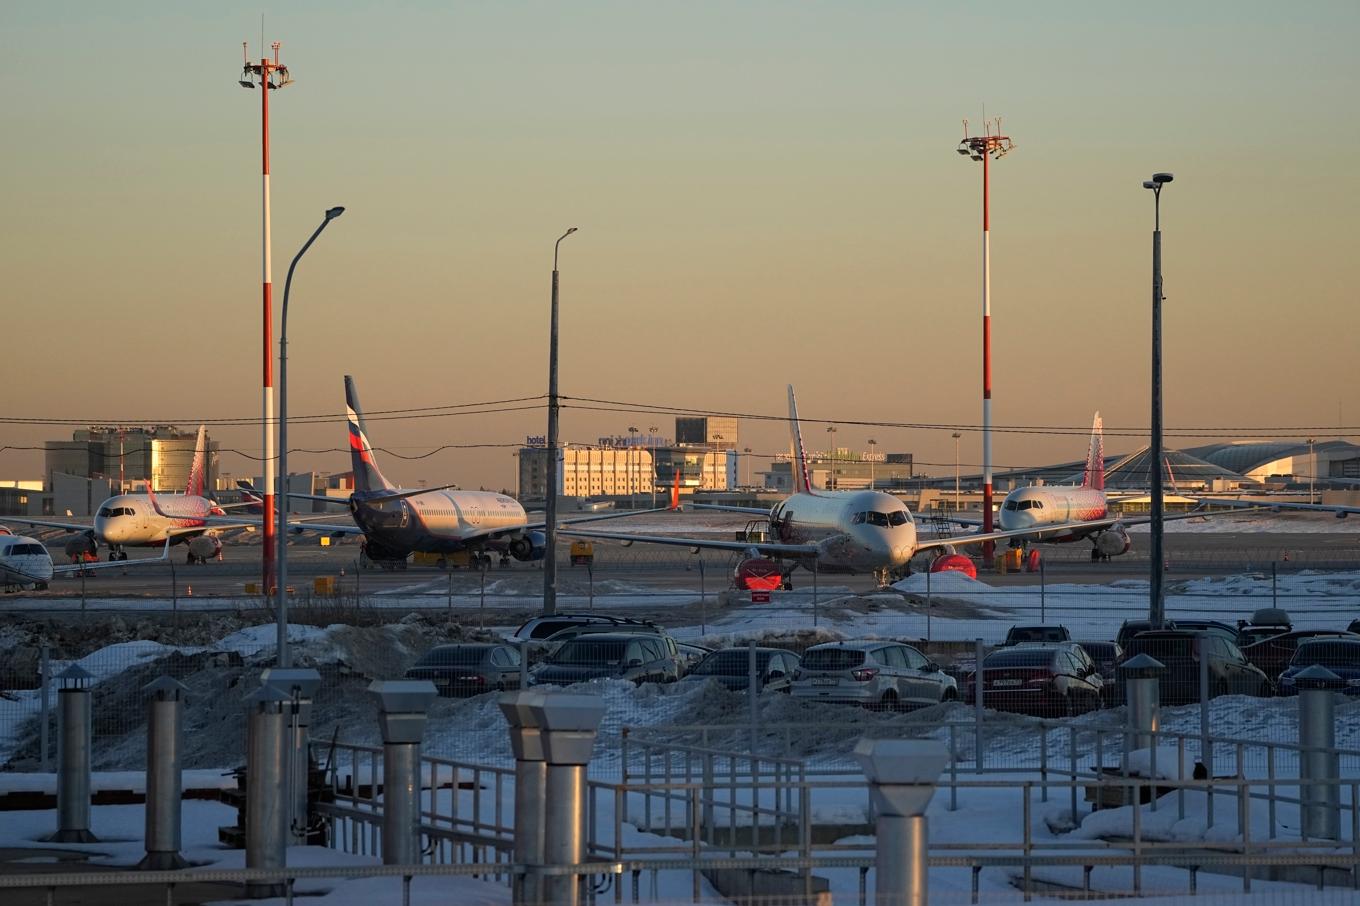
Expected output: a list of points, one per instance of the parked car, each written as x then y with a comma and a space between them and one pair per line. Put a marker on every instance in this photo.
1354, 627
1130, 628
459, 670
690, 656
1045, 680
545, 626
1265, 623
877, 673
1230, 673
639, 657
1039, 633
1193, 625
1340, 654
1105, 655
1274, 654
730, 667
547, 646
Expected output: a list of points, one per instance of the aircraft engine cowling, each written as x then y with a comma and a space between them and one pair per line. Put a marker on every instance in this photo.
758, 574
81, 547
530, 546
205, 547
1113, 541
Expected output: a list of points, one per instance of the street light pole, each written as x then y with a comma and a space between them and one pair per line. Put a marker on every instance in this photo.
873, 456
550, 516
281, 591
1312, 467
651, 459
1156, 597
957, 435
272, 75
831, 429
631, 460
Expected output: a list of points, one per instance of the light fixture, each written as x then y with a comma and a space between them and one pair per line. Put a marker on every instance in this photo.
332, 213
246, 80
1162, 177
963, 149
1149, 184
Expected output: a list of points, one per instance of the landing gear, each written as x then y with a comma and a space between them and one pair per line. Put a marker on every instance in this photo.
116, 554
883, 577
505, 561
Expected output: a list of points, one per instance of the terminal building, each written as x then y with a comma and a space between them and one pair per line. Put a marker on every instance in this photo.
130, 456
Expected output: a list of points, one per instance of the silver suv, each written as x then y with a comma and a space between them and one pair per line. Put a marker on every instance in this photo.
878, 674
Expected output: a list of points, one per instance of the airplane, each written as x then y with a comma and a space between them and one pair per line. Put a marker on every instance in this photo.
26, 563
142, 520
397, 522
859, 531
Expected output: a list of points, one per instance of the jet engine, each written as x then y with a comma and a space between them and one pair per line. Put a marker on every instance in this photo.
1113, 541
204, 548
529, 546
758, 574
82, 547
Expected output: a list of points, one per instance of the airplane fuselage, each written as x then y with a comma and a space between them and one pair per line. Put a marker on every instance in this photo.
443, 521
856, 530
23, 561
130, 520
1037, 507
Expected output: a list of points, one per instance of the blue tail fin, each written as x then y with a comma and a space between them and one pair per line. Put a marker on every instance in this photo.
367, 476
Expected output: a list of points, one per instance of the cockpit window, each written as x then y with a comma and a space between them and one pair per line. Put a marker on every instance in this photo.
1038, 504
1011, 505
857, 519
105, 512
901, 517
874, 518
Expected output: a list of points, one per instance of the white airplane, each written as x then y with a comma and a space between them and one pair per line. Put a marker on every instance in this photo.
860, 531
26, 563
143, 520
396, 522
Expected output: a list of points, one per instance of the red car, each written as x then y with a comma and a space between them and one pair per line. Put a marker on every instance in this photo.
1046, 680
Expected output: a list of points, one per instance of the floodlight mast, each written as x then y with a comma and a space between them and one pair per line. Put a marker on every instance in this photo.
990, 144
270, 74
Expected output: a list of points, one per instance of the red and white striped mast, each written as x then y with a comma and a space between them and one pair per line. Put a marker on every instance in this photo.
985, 147
270, 75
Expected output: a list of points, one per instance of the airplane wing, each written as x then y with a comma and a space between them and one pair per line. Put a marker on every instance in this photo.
748, 510
598, 517
1339, 510
1058, 528
68, 526
763, 547
76, 569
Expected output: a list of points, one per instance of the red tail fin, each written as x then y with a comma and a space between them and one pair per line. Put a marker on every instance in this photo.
1095, 457
675, 491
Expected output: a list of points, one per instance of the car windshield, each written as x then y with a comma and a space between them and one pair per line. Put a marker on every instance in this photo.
1034, 634
589, 652
448, 657
1022, 657
1247, 637
550, 627
832, 659
731, 663
1328, 654
1161, 647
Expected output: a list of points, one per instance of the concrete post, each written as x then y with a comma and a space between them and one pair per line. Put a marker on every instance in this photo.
1143, 694
164, 780
1319, 769
531, 777
266, 807
902, 775
301, 686
402, 707
567, 725
73, 757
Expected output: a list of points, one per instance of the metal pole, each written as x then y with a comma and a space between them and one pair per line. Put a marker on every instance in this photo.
1156, 601
753, 690
978, 657
266, 804
1274, 585
284, 659
481, 606
1319, 763
267, 548
902, 775
402, 708
174, 595
569, 722
45, 690
550, 516
531, 773
1206, 743
73, 760
164, 781
1043, 592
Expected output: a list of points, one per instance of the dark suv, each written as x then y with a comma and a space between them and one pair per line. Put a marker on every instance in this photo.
1131, 628
1046, 680
639, 657
1230, 673
1043, 634
1273, 655
542, 627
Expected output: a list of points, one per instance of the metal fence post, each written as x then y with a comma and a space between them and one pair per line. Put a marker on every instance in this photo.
45, 691
266, 808
73, 757
531, 774
902, 774
164, 781
753, 691
401, 711
568, 723
978, 657
301, 685
1319, 763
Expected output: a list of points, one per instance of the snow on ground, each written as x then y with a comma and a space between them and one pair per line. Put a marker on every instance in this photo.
1271, 523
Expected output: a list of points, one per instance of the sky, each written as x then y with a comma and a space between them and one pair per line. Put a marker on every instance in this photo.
766, 193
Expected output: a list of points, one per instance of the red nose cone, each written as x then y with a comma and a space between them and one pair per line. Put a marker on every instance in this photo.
954, 563
759, 574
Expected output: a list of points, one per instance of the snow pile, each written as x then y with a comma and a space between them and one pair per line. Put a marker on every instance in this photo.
1140, 764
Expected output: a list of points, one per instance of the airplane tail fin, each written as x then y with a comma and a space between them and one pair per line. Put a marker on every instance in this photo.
1095, 457
675, 491
198, 472
250, 495
367, 476
797, 454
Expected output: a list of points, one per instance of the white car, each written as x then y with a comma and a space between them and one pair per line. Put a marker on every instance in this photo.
877, 674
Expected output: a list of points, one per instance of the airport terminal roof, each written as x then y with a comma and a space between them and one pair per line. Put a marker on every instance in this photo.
1243, 456
1133, 471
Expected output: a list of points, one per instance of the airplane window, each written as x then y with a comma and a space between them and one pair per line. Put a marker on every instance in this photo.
899, 518
1010, 505
878, 518
1038, 504
1024, 504
129, 511
857, 519
105, 512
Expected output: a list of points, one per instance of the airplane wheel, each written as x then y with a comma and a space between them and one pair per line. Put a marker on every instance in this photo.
441, 563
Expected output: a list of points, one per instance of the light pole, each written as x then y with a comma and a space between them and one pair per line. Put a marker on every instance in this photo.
1156, 600
1312, 467
271, 75
651, 459
281, 591
831, 429
632, 461
957, 435
985, 147
873, 457
550, 516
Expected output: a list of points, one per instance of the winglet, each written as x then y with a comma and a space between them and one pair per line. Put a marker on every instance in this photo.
155, 505
1094, 477
802, 484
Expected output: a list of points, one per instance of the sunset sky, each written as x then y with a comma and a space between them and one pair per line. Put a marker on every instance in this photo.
766, 193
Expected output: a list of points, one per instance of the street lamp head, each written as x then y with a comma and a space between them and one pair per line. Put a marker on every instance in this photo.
569, 231
332, 213
1162, 177
246, 83
1149, 184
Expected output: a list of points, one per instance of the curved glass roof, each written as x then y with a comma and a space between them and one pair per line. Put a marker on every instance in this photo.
1245, 456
